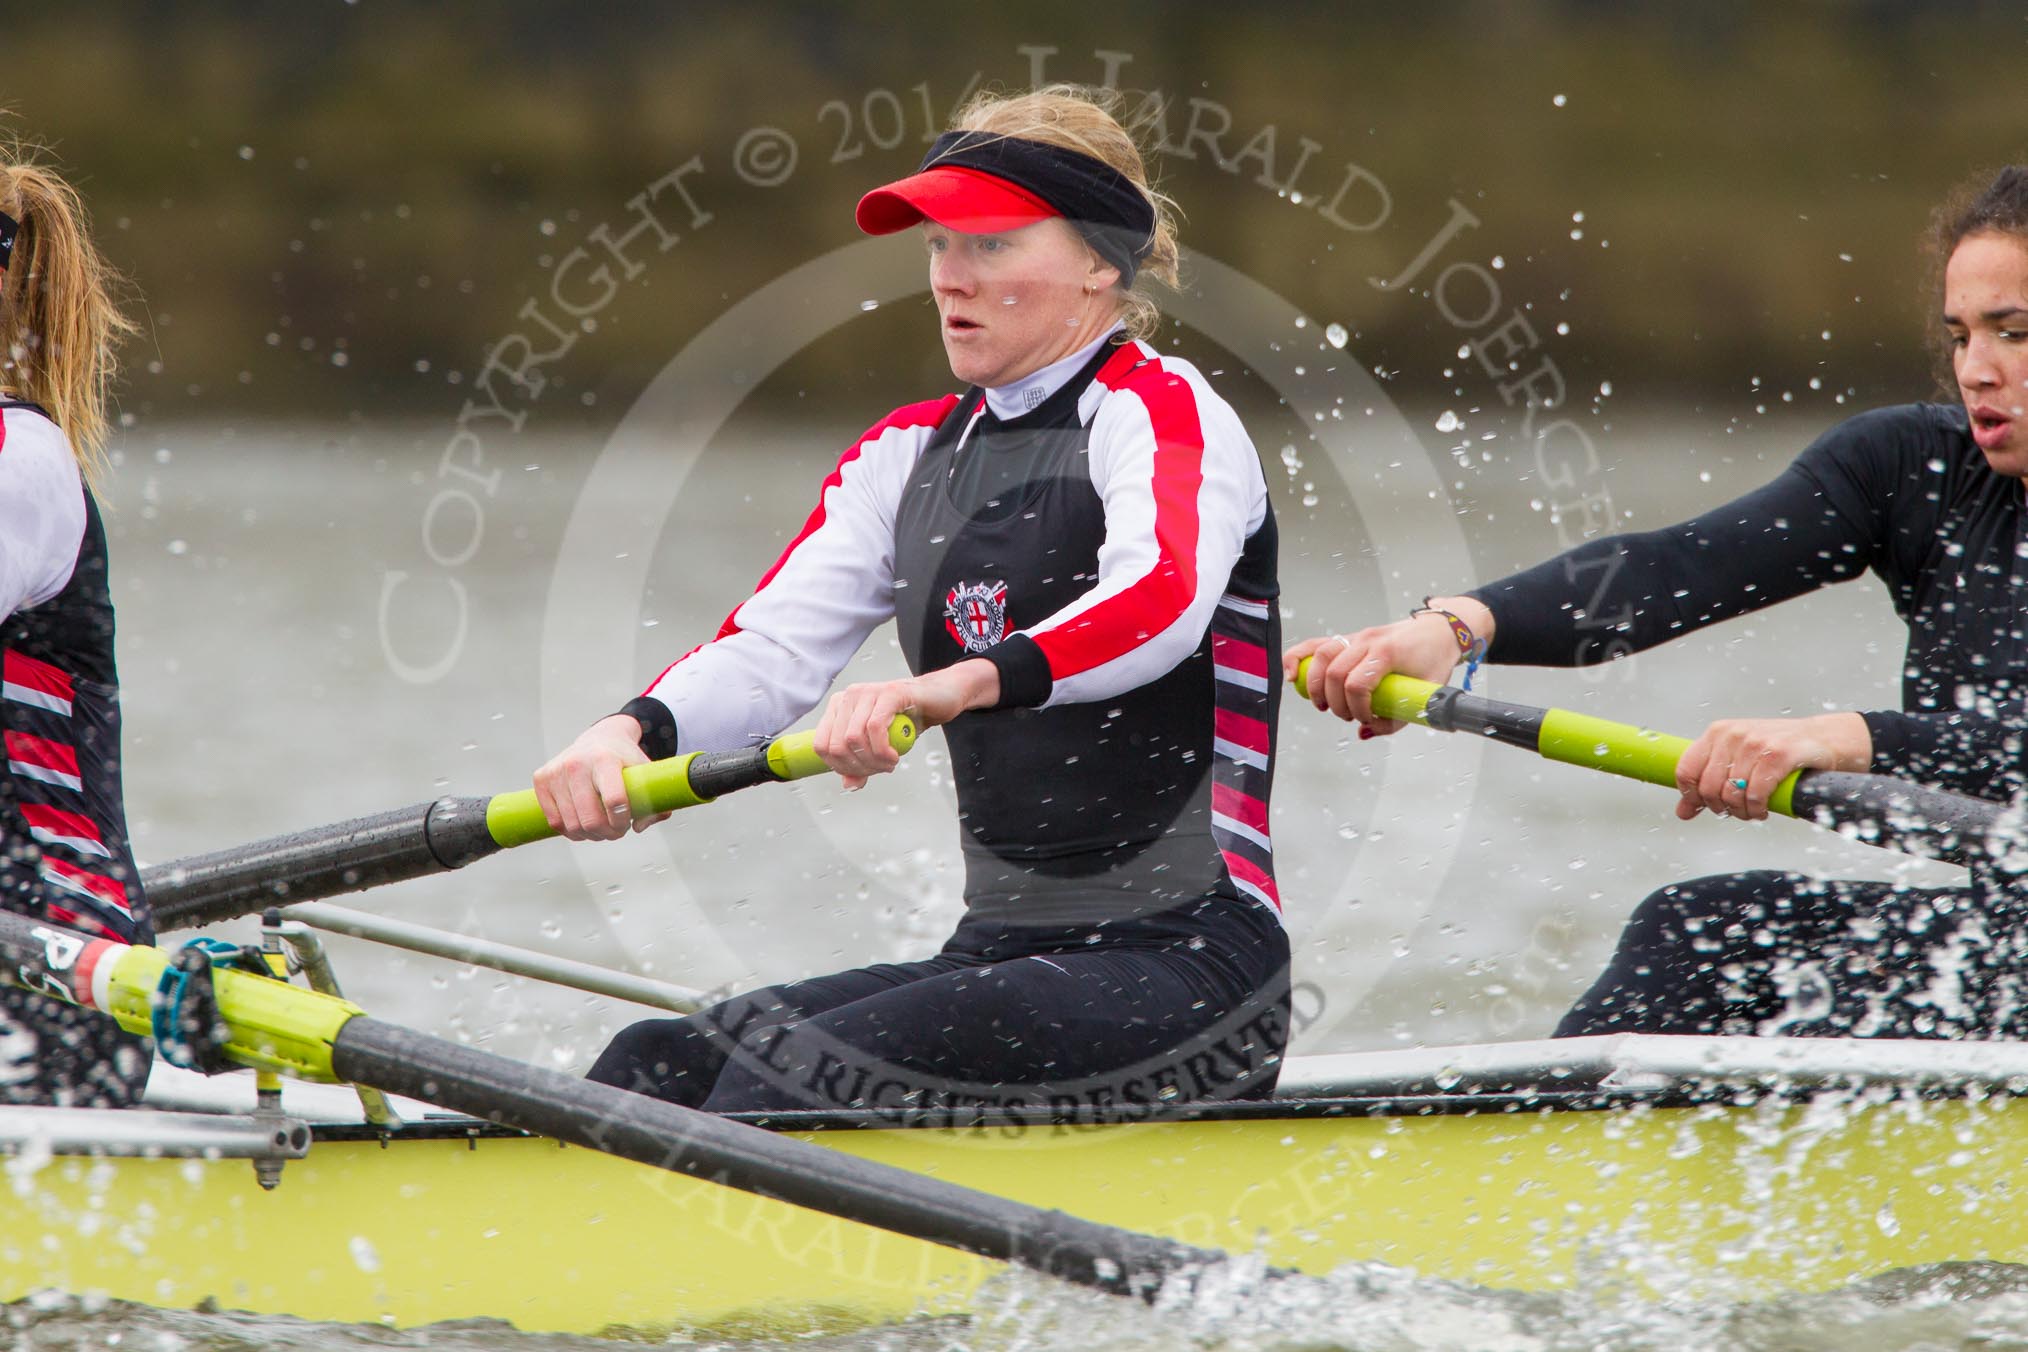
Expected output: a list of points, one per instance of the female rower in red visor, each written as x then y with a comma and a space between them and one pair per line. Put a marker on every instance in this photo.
1079, 557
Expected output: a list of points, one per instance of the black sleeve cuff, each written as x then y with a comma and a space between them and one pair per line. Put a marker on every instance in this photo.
1024, 672
1484, 596
1892, 743
658, 726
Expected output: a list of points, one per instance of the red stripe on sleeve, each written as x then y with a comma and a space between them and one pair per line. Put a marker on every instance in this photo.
1121, 623
58, 822
42, 752
1247, 811
111, 891
1240, 730
69, 919
928, 413
1246, 872
24, 671
1238, 655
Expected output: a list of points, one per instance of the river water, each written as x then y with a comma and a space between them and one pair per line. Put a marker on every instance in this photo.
281, 611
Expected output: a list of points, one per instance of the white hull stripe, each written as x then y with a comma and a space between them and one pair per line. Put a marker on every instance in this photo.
1257, 609
40, 699
43, 774
1245, 680
1221, 822
1263, 898
1235, 752
82, 844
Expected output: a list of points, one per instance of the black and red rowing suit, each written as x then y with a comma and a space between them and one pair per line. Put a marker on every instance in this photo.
1101, 532
66, 857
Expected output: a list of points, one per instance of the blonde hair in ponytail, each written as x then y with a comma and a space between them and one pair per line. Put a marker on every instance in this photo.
60, 321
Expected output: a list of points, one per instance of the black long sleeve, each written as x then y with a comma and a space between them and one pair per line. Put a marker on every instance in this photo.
1901, 492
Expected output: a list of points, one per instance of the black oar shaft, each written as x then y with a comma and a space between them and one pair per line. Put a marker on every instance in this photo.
265, 1022
1897, 815
1452, 710
328, 861
649, 1131
449, 833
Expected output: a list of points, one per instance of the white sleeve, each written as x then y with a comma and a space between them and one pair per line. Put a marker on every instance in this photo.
42, 510
776, 655
1183, 490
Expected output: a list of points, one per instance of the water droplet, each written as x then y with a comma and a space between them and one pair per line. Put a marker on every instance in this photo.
1335, 335
1560, 100
1449, 422
869, 305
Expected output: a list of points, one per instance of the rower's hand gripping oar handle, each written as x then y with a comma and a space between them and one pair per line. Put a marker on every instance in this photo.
1877, 809
1554, 734
450, 833
685, 781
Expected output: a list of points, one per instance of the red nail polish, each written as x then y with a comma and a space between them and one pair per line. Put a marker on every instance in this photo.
1366, 734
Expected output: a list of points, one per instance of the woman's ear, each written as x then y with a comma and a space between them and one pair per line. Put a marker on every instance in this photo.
1100, 276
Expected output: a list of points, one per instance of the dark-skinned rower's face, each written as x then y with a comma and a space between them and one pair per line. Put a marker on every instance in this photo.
1986, 316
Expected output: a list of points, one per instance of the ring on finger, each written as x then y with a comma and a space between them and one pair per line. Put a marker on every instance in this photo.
1739, 784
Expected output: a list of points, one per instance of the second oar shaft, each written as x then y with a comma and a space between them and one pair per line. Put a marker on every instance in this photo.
327, 861
649, 1131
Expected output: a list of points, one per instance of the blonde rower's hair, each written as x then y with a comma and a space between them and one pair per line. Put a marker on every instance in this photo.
59, 321
1085, 119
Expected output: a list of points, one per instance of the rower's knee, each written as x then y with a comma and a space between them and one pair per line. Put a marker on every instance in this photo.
659, 1057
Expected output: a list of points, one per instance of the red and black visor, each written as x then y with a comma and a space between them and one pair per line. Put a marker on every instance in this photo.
982, 182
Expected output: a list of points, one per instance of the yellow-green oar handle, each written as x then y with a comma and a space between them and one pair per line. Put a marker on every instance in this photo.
1555, 734
684, 781
1399, 697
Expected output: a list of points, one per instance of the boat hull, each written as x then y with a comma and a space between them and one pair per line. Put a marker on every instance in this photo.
1708, 1200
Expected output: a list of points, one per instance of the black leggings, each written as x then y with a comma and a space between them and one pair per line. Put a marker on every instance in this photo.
1108, 1019
1779, 953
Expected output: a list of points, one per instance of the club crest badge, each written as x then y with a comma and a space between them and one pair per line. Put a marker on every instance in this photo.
975, 613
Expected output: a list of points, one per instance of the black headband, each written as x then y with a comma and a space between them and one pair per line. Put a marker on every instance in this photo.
8, 227
1100, 202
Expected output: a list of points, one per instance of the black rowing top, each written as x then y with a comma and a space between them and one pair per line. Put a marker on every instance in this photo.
1901, 492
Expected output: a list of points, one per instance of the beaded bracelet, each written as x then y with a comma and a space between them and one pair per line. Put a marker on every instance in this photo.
1470, 645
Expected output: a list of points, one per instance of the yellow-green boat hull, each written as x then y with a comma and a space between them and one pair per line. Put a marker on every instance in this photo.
1718, 1201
